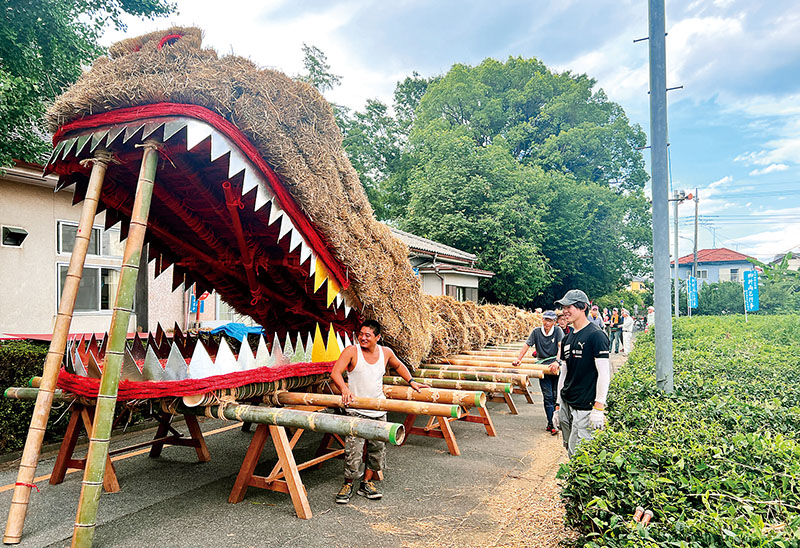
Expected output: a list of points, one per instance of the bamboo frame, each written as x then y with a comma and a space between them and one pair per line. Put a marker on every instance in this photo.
55, 354
91, 487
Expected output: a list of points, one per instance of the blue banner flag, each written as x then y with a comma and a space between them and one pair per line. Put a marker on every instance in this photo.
692, 288
751, 290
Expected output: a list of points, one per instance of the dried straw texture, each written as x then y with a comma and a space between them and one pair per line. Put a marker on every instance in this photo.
293, 128
459, 326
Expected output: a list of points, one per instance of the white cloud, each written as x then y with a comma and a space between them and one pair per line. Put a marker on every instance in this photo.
772, 168
721, 182
771, 242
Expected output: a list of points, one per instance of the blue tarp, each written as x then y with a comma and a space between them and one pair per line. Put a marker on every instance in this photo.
237, 330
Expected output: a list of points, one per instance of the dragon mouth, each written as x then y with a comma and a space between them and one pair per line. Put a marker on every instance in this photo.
220, 216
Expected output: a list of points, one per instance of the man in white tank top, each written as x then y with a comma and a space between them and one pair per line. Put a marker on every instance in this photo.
366, 364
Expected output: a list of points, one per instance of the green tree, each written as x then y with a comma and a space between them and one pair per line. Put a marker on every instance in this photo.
43, 46
474, 198
553, 120
318, 71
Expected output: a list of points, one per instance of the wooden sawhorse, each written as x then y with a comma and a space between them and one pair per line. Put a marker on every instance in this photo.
285, 475
83, 415
437, 427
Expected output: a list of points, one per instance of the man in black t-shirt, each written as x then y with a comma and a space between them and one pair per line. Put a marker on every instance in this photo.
546, 339
585, 374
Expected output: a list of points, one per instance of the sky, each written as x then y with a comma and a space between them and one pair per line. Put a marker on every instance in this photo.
734, 126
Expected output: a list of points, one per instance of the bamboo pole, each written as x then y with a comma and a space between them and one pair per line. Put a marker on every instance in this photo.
55, 354
465, 398
491, 358
489, 364
473, 375
378, 404
92, 485
329, 423
455, 384
252, 390
530, 373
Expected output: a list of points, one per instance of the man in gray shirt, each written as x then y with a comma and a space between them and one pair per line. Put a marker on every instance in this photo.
595, 317
545, 340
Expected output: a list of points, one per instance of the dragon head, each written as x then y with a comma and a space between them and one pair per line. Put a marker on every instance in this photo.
254, 196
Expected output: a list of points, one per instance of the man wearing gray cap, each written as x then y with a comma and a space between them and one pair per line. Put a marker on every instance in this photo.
546, 339
585, 374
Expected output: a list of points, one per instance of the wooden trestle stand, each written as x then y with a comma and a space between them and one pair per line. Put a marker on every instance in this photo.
285, 475
83, 416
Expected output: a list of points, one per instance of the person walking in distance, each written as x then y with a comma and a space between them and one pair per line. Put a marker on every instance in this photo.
595, 317
627, 331
546, 340
585, 375
365, 363
615, 330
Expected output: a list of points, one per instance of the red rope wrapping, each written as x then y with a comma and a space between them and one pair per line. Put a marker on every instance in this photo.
299, 219
30, 485
131, 390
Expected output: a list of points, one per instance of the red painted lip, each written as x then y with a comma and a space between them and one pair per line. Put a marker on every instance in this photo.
125, 115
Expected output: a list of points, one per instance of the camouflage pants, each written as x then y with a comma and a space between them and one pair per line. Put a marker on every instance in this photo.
354, 452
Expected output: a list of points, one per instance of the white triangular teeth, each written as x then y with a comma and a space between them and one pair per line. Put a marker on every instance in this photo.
347, 341
263, 196
309, 348
172, 127
196, 133
262, 354
288, 350
226, 362
275, 212
286, 226
97, 138
130, 131
113, 134
56, 152
200, 366
246, 359
236, 164
313, 268
305, 252
150, 128
338, 300
295, 240
81, 143
340, 342
219, 146
67, 147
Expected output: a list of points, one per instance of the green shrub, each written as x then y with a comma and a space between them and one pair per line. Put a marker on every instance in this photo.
19, 361
718, 461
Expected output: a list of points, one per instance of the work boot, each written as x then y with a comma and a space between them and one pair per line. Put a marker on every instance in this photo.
344, 494
369, 490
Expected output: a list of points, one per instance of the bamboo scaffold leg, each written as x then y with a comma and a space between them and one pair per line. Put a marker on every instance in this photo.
52, 364
83, 533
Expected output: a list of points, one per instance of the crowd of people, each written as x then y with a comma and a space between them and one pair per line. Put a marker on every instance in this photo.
575, 343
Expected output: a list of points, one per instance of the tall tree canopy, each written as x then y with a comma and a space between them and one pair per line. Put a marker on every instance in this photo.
43, 45
534, 171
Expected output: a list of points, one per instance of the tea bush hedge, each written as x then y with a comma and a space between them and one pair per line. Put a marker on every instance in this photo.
718, 461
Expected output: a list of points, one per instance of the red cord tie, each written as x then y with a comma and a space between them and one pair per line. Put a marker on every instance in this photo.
31, 485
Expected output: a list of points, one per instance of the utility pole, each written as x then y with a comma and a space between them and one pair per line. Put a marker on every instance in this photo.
676, 283
658, 161
696, 216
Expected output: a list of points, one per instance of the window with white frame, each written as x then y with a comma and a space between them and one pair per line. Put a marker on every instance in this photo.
702, 274
102, 243
735, 274
97, 289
